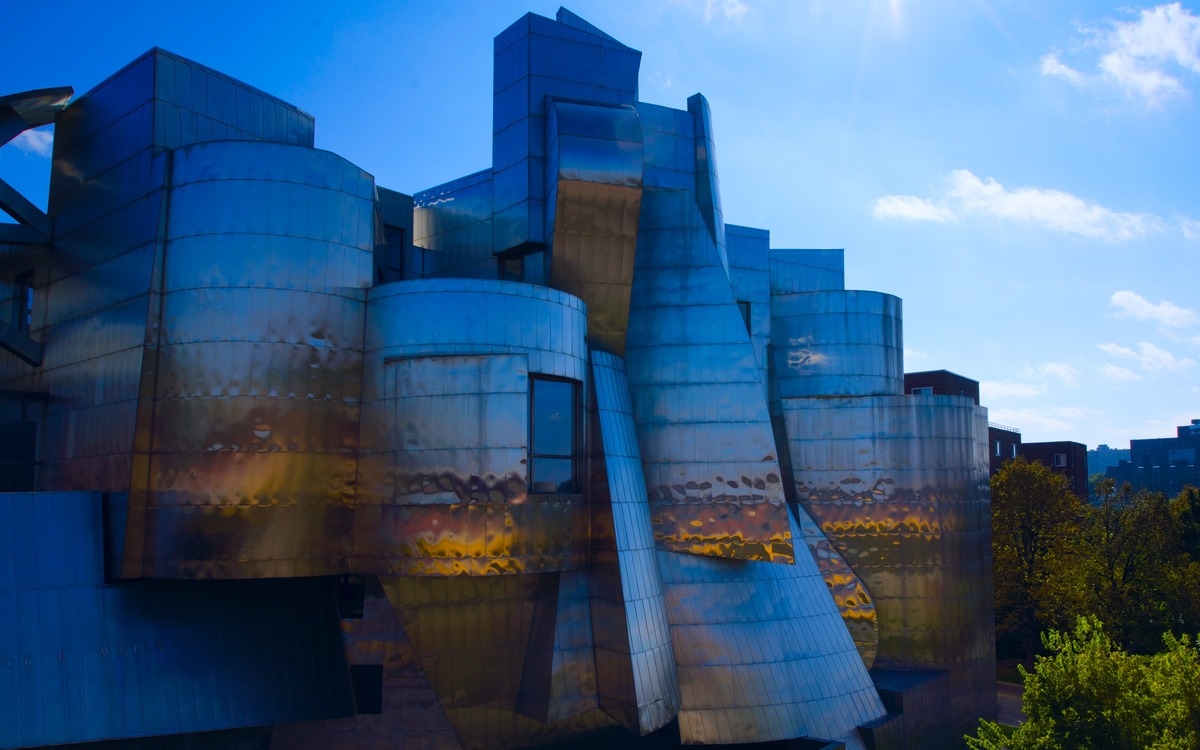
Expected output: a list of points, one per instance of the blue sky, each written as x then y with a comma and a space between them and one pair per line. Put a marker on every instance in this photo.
1024, 174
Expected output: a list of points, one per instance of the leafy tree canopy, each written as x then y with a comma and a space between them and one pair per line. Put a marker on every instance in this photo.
1089, 694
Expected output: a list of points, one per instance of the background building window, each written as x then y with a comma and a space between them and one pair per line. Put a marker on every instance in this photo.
1060, 459
553, 435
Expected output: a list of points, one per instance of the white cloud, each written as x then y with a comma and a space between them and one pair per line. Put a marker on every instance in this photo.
730, 10
1190, 228
1119, 374
1149, 357
36, 142
1165, 313
910, 207
1051, 66
1064, 372
997, 389
1143, 58
1055, 210
1033, 419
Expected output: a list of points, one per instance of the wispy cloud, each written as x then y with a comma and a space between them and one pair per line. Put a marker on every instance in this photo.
910, 207
1149, 357
1164, 313
1054, 420
36, 142
1064, 372
1055, 210
1119, 374
730, 10
997, 389
1145, 59
1035, 383
1190, 228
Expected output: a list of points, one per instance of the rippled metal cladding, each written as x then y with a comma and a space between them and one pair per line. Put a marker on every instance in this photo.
566, 452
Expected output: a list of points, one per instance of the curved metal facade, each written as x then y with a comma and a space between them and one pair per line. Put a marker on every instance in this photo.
576, 460
444, 482
250, 454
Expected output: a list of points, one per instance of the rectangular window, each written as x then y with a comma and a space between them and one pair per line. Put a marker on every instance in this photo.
553, 436
1014, 450
923, 390
22, 316
1060, 459
511, 269
997, 449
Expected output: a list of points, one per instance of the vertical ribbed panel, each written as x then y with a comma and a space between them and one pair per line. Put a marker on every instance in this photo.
634, 663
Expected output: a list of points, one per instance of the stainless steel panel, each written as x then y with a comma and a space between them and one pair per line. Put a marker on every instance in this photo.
444, 469
82, 661
762, 653
899, 486
837, 343
635, 667
712, 474
595, 183
250, 456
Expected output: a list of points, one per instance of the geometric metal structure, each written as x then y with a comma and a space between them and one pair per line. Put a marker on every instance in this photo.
547, 453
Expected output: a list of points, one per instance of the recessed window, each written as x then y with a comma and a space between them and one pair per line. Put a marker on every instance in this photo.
553, 436
923, 390
368, 687
1060, 459
998, 449
352, 596
1014, 450
744, 309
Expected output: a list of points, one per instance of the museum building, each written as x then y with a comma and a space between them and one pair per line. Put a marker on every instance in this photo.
547, 453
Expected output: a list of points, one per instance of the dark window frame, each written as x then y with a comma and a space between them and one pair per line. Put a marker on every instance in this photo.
573, 486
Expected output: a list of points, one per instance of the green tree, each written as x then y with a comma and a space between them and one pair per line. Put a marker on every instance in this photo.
1035, 524
1133, 541
1089, 694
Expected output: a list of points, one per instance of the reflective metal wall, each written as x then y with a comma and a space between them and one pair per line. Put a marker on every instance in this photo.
837, 343
82, 660
594, 172
538, 59
899, 486
443, 474
245, 465
711, 470
551, 440
635, 668
762, 653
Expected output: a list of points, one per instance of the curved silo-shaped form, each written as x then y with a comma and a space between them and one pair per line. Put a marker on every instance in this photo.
472, 429
898, 485
244, 466
837, 343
